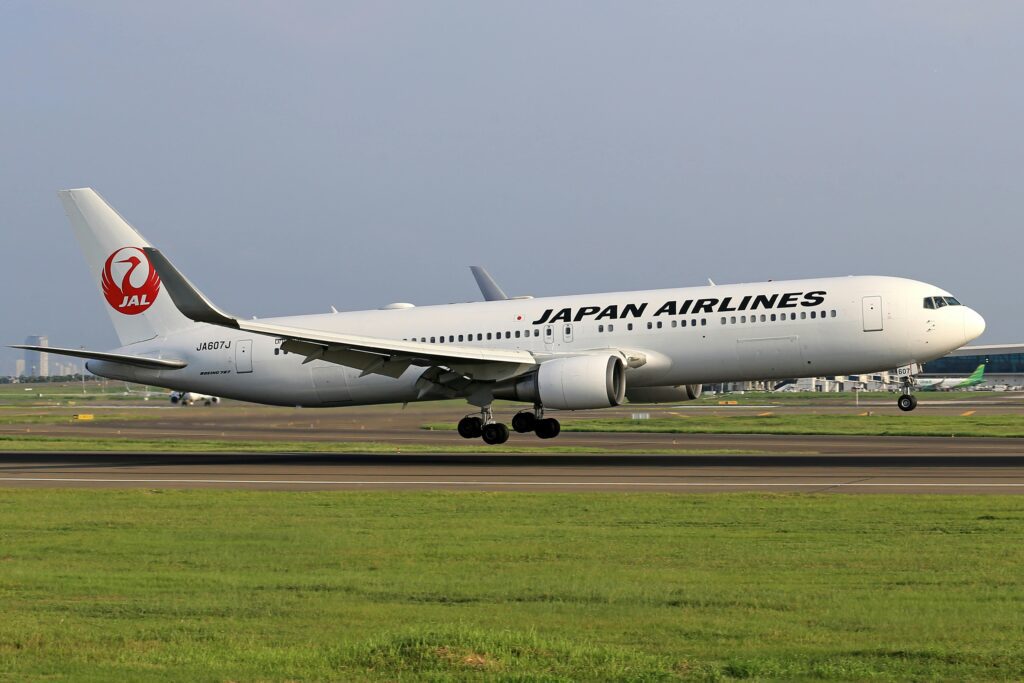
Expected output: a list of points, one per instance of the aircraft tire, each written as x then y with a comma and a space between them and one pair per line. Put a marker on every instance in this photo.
495, 433
548, 428
906, 402
524, 422
470, 427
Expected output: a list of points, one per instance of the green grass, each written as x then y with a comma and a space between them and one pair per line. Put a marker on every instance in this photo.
236, 585
833, 397
9, 418
18, 442
854, 425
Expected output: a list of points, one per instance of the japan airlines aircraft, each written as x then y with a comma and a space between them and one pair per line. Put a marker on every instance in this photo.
950, 383
554, 353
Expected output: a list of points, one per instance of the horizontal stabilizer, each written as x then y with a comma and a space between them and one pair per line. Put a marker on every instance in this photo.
122, 358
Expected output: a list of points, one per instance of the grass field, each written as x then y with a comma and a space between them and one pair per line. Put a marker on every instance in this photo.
857, 425
236, 585
30, 443
840, 397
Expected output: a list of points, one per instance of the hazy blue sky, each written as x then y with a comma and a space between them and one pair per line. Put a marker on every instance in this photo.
292, 156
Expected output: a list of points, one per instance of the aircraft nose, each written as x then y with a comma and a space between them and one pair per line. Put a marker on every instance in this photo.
974, 324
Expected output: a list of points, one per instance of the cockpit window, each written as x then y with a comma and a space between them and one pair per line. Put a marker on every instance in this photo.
940, 301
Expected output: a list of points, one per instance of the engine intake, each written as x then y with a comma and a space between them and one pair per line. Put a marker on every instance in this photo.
576, 383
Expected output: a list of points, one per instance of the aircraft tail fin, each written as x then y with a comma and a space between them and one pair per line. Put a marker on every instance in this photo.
978, 374
120, 268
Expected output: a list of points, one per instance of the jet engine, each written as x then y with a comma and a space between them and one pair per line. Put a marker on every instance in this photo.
675, 394
576, 383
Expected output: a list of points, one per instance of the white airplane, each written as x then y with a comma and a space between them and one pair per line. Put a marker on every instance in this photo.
190, 398
554, 353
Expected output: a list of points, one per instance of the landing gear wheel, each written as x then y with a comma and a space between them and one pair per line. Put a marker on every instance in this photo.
524, 422
495, 433
548, 428
906, 402
470, 427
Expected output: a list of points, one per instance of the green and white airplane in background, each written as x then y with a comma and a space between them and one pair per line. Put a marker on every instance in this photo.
950, 383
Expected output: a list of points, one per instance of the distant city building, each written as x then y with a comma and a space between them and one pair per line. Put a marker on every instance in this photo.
19, 367
37, 364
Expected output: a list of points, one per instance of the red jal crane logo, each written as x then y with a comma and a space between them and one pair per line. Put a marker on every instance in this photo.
129, 298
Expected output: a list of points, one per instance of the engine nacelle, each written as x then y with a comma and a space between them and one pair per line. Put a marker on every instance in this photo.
577, 383
682, 392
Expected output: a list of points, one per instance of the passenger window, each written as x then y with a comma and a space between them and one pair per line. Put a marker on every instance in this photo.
508, 335
629, 326
488, 336
432, 340
723, 319
650, 325
674, 323
600, 328
682, 323
460, 337
611, 328
929, 302
659, 324
703, 322
479, 336
773, 317
763, 317
536, 333
833, 312
803, 315
813, 315
517, 334
451, 337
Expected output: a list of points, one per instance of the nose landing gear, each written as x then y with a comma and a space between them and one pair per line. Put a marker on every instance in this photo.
907, 401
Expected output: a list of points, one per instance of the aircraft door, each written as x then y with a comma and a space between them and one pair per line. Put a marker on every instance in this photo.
567, 333
872, 309
243, 356
549, 336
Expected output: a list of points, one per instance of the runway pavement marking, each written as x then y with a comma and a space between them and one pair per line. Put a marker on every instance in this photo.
472, 482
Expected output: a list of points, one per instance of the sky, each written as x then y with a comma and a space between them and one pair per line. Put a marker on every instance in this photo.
291, 156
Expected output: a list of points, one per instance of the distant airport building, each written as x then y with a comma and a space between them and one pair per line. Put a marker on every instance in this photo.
1004, 364
37, 364
1004, 368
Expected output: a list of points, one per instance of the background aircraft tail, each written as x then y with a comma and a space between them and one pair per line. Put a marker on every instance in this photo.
130, 287
978, 374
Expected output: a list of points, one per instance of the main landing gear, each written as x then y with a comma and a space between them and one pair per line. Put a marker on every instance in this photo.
493, 433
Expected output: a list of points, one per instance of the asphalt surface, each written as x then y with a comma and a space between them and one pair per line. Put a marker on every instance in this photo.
962, 474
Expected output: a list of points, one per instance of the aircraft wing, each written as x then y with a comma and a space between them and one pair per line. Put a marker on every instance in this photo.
122, 358
372, 355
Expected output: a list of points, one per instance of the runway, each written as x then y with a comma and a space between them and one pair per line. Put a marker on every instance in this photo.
1003, 474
